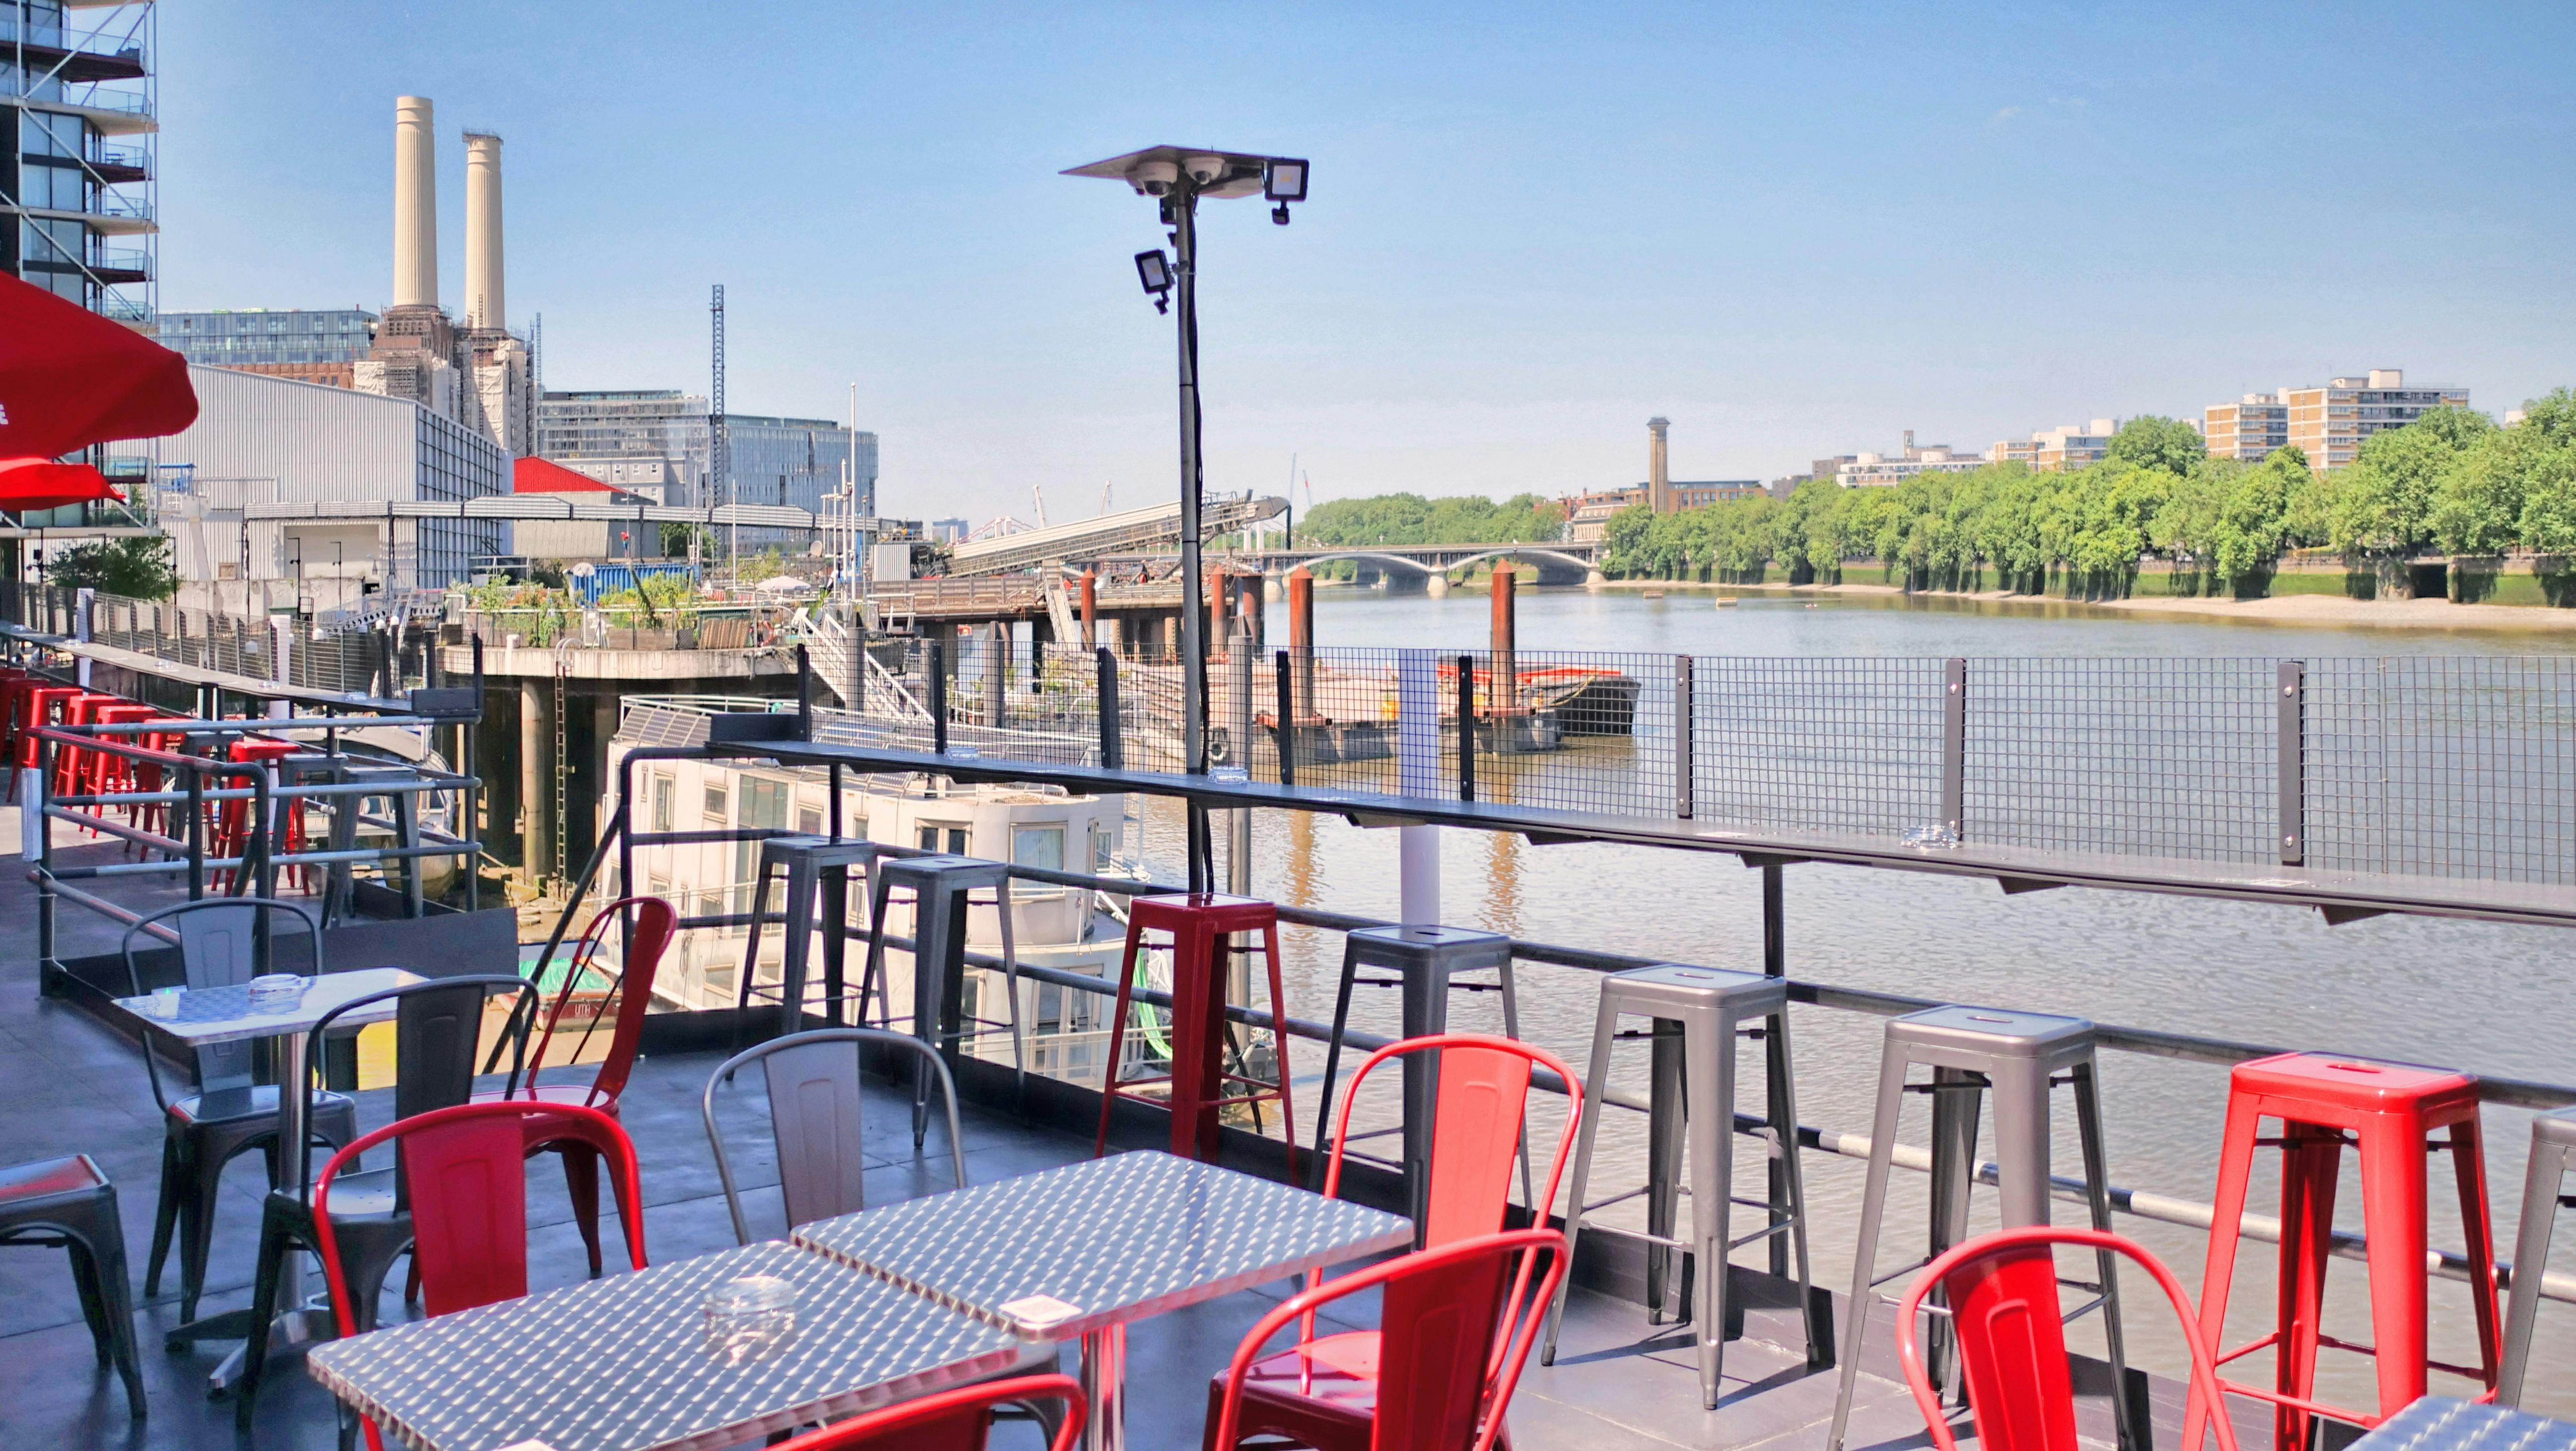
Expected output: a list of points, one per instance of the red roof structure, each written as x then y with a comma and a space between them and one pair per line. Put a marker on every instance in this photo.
542, 476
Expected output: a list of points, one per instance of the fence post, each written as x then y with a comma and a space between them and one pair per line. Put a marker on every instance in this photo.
938, 699
1113, 756
1285, 714
2292, 714
1954, 747
1683, 711
1466, 727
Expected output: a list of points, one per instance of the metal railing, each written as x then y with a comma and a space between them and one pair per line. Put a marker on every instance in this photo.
382, 662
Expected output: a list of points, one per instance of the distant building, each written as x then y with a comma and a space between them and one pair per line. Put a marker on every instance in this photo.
947, 531
2056, 450
1826, 468
2248, 429
654, 441
1692, 493
79, 129
1587, 515
2328, 422
317, 346
1879, 471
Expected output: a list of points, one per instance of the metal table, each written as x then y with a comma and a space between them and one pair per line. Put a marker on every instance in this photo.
200, 1017
1080, 1251
625, 1363
2441, 1423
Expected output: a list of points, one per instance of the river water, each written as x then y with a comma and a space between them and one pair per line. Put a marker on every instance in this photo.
2490, 999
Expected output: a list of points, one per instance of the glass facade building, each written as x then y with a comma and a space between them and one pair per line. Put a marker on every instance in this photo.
259, 337
78, 119
795, 461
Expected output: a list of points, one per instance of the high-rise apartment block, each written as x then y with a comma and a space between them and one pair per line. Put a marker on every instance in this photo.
2329, 422
319, 346
79, 116
2248, 429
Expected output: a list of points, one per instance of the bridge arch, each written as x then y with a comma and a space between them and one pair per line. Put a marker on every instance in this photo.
1529, 552
1374, 557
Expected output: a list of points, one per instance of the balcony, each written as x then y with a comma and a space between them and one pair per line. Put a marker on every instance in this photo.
43, 51
120, 165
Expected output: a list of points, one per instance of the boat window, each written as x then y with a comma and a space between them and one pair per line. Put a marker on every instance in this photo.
957, 839
1102, 844
1038, 846
715, 803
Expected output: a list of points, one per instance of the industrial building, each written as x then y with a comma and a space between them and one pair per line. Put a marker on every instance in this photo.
265, 448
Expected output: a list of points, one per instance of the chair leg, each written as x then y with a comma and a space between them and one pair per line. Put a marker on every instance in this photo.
1596, 1079
1664, 1135
1332, 1066
1777, 1063
1711, 1125
1873, 1207
2097, 1195
197, 1231
2310, 1159
1117, 1031
581, 1185
2468, 1163
1279, 1046
1512, 1030
102, 1246
275, 1244
165, 1215
85, 1280
2540, 1189
2393, 1211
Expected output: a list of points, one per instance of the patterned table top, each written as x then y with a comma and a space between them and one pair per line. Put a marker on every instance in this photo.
1060, 1254
204, 1016
2440, 1423
623, 1363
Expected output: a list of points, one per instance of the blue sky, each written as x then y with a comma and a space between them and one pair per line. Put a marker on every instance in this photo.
1792, 230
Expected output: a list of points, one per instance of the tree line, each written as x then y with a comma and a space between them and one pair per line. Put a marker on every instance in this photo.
2451, 481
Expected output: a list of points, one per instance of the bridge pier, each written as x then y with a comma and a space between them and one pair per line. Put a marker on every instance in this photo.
1435, 585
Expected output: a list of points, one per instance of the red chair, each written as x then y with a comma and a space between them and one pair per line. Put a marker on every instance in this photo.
72, 764
232, 823
1197, 922
1484, 1085
2001, 1290
2388, 1111
955, 1420
105, 772
1453, 1331
632, 988
470, 1233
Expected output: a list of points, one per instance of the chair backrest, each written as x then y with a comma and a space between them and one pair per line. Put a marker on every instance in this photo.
223, 942
437, 1025
1476, 1128
2001, 1291
464, 1168
814, 1114
956, 1420
1454, 1329
631, 985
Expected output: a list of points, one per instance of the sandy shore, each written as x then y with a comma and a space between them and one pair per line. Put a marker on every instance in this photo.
2433, 614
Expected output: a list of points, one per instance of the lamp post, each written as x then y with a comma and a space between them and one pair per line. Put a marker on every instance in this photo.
1177, 177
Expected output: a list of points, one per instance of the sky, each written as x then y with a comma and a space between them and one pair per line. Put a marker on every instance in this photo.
1793, 230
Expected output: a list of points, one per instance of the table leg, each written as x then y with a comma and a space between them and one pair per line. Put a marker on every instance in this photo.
1104, 1384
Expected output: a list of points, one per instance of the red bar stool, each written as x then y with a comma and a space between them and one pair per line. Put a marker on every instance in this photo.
151, 776
232, 831
108, 773
72, 763
17, 688
2388, 1111
45, 706
1196, 922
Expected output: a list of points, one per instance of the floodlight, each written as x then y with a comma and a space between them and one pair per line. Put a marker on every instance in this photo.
1154, 271
1284, 180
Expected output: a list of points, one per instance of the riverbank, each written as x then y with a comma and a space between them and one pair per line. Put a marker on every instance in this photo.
2294, 609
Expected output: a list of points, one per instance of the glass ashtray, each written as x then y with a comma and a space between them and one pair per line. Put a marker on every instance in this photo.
276, 990
1931, 837
1229, 775
750, 1318
964, 753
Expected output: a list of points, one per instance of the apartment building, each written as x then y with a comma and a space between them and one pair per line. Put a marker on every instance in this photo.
2330, 421
2248, 429
1876, 471
2055, 450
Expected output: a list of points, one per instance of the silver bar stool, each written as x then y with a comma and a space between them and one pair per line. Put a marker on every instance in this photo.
1697, 1013
816, 867
1427, 961
2018, 1055
942, 887
2553, 1153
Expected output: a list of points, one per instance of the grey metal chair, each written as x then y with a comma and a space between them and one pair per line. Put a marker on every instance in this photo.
1427, 962
2018, 1056
2553, 1153
223, 942
1696, 1014
69, 1204
814, 1116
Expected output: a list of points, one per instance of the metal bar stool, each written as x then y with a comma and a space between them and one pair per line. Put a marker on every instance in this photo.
69, 1204
2388, 1111
816, 868
2553, 1152
1697, 1012
403, 810
2019, 1056
1427, 961
1199, 924
942, 888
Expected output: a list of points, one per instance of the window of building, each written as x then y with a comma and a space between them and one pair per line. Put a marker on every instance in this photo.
665, 790
715, 803
930, 834
809, 820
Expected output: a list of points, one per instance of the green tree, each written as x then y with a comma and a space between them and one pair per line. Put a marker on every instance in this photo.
2382, 510
2549, 503
2478, 495
2151, 442
2254, 520
1626, 542
137, 568
2186, 528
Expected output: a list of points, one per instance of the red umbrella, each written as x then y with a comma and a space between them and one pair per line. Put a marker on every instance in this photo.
35, 483
70, 378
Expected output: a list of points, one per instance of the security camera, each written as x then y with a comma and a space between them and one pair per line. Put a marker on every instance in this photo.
1156, 178
1206, 170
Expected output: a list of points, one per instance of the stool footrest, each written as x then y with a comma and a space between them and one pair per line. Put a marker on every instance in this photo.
1757, 1236
1614, 1199
2314, 1408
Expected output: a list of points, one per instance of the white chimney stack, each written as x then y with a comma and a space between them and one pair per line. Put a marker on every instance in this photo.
484, 305
415, 204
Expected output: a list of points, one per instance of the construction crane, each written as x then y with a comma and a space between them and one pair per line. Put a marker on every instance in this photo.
719, 444
1105, 486
1037, 498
